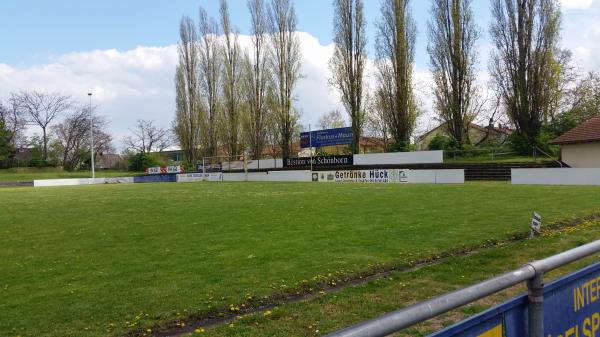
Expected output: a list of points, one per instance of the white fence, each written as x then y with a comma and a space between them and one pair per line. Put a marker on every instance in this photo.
421, 157
289, 176
436, 176
397, 158
84, 181
556, 176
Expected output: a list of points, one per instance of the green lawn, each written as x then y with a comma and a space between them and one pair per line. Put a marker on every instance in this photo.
30, 174
102, 260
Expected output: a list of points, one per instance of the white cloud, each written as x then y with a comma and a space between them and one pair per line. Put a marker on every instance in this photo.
580, 35
576, 4
138, 83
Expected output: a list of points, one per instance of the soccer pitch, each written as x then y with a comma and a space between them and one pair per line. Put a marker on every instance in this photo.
104, 260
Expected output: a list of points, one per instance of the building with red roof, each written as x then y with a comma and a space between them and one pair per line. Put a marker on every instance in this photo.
580, 147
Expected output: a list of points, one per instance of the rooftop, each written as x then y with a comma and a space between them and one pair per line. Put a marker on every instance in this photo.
588, 131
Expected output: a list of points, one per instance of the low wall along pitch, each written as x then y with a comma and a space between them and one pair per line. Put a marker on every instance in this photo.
397, 176
556, 176
84, 181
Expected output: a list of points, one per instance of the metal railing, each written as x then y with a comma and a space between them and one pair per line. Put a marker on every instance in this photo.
532, 273
535, 155
492, 153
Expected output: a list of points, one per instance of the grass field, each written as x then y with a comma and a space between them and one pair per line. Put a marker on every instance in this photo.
103, 260
30, 174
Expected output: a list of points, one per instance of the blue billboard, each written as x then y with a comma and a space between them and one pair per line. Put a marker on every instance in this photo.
571, 308
329, 137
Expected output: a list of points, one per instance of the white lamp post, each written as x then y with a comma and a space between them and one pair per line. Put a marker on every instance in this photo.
92, 136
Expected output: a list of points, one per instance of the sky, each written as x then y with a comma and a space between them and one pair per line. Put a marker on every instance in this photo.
125, 52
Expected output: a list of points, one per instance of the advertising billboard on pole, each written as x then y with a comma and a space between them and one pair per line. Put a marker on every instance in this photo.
329, 137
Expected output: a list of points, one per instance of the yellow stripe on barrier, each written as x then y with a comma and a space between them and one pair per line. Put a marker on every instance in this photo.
495, 332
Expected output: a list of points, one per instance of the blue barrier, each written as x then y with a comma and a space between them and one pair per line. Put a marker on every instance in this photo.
159, 178
571, 308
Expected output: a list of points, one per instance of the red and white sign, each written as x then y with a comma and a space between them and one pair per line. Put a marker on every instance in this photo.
165, 170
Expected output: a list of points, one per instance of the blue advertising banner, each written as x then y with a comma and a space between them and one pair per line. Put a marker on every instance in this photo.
329, 137
571, 308
162, 178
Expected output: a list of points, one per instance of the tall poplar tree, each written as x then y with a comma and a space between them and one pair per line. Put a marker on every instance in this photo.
525, 34
232, 80
452, 37
285, 60
348, 62
188, 113
395, 48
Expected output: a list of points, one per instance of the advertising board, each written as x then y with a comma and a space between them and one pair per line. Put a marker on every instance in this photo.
571, 308
209, 168
329, 137
362, 176
165, 170
196, 177
322, 161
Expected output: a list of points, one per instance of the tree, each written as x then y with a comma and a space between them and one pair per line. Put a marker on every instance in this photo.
285, 62
188, 114
452, 37
147, 137
348, 62
331, 120
210, 79
525, 34
257, 78
71, 138
6, 147
41, 109
231, 81
584, 99
395, 43
376, 120
14, 121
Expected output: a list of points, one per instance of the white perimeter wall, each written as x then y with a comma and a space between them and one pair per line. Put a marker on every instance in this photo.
436, 176
84, 181
290, 176
253, 164
422, 157
556, 176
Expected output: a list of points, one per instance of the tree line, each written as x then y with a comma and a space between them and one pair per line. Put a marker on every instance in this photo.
64, 137
235, 98
242, 99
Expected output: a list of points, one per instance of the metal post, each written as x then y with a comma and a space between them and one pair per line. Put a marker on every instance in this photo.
92, 137
535, 307
203, 166
245, 168
310, 144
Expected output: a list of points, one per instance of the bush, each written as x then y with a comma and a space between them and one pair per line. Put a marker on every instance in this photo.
141, 161
522, 146
441, 142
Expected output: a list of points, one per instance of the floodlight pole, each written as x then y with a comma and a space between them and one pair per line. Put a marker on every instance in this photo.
92, 136
310, 144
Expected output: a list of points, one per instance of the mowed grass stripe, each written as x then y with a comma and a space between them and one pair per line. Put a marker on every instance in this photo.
78, 258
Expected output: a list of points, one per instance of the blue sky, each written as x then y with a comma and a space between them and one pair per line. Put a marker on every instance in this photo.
124, 51
33, 31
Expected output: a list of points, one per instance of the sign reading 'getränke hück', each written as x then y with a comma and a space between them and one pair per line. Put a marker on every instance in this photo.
362, 176
323, 161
